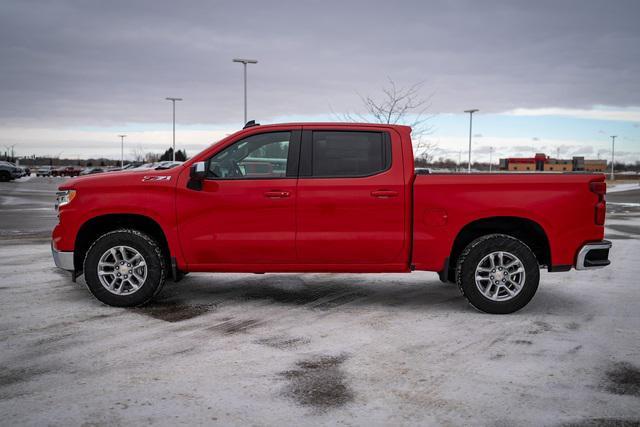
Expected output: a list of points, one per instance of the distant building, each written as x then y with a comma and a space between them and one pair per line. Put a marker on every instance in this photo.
542, 162
595, 165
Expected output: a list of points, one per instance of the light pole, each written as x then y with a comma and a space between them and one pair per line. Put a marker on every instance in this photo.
244, 62
122, 150
173, 101
613, 150
470, 126
490, 157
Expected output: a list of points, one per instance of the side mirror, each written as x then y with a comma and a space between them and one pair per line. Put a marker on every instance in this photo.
197, 174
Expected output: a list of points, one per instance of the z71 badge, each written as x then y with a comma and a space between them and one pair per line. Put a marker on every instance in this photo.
157, 178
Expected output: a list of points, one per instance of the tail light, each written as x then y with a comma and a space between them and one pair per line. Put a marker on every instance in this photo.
600, 189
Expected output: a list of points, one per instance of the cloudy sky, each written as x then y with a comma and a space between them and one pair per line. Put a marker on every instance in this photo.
546, 75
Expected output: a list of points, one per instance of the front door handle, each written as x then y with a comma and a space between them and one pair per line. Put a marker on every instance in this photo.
384, 194
277, 194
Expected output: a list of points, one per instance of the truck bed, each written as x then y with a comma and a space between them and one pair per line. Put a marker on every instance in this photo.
562, 205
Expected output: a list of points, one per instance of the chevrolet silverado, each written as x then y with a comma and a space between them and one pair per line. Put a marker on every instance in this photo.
327, 197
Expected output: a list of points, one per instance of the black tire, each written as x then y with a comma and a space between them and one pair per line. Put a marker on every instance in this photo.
5, 176
475, 252
150, 251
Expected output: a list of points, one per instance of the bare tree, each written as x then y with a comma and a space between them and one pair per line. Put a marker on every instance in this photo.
138, 153
400, 105
152, 157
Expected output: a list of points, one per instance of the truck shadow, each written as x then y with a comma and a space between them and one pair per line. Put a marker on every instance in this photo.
200, 294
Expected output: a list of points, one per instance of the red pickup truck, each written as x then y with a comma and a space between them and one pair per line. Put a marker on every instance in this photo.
327, 197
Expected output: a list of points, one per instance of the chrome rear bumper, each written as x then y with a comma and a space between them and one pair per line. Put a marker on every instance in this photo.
63, 260
593, 255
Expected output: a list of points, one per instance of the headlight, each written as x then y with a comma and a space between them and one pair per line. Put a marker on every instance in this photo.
64, 197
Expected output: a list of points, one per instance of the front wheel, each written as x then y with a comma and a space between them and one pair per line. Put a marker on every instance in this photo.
498, 274
125, 268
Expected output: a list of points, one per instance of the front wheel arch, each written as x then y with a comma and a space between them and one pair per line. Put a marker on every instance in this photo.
95, 227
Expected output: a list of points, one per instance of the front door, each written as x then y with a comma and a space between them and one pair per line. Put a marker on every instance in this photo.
245, 213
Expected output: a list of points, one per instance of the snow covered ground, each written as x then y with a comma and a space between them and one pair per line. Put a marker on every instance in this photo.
626, 186
320, 349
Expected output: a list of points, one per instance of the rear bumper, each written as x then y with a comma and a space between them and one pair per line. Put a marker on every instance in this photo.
593, 255
63, 260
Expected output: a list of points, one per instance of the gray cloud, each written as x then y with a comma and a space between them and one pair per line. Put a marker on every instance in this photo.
582, 151
99, 63
524, 148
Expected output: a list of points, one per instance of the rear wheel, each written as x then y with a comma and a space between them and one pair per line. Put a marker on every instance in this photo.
125, 268
5, 176
498, 274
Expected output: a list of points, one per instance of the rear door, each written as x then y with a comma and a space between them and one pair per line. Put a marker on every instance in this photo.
351, 199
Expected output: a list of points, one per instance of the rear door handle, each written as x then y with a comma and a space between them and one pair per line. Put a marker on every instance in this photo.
277, 194
384, 194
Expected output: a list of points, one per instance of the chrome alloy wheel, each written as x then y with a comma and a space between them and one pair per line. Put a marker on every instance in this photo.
500, 276
122, 270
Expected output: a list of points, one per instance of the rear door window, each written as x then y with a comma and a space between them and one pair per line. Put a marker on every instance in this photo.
349, 153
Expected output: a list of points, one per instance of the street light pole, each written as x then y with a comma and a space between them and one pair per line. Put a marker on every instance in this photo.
173, 101
613, 150
244, 62
490, 157
470, 126
122, 151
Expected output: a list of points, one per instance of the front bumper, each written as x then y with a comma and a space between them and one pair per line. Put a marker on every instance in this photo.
63, 260
593, 255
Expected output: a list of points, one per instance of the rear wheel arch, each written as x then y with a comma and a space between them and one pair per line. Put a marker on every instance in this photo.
526, 230
95, 227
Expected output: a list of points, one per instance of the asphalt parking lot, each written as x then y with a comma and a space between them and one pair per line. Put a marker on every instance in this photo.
313, 349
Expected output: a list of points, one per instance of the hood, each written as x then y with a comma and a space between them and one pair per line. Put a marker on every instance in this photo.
121, 178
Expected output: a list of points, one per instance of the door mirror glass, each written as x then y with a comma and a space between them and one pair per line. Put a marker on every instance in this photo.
197, 174
198, 170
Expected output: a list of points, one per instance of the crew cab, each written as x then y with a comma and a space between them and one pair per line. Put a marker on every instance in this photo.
327, 197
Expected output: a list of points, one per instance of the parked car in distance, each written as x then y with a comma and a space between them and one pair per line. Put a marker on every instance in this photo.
346, 198
146, 166
9, 171
69, 171
130, 166
66, 171
92, 170
167, 164
57, 171
422, 171
44, 170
